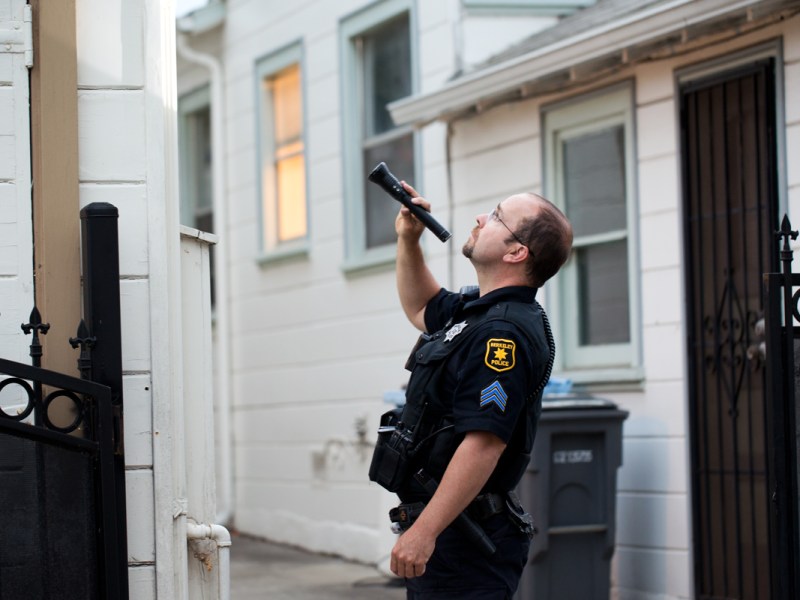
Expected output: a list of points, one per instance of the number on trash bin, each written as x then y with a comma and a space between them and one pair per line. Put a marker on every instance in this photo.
570, 457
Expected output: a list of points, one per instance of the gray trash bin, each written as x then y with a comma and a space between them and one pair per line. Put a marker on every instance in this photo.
570, 489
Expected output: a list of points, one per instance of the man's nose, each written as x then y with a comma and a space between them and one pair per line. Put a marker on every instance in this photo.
482, 219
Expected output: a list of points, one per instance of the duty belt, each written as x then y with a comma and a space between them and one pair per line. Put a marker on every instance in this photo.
483, 507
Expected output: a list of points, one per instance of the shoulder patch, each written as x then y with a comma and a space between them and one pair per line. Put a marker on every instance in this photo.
494, 394
500, 354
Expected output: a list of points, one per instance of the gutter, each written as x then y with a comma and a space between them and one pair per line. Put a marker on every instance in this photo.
223, 366
520, 75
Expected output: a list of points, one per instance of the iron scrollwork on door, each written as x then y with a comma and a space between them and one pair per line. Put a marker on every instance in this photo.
728, 336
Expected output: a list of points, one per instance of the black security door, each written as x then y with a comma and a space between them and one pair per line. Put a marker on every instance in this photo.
730, 214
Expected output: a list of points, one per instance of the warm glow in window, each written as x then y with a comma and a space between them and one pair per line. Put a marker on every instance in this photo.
284, 176
291, 186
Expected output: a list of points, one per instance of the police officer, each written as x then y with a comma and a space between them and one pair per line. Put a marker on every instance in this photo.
474, 399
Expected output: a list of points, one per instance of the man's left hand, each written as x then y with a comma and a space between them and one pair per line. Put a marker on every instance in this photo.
411, 553
468, 471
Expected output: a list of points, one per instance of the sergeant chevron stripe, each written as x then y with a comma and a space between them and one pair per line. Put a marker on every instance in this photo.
494, 394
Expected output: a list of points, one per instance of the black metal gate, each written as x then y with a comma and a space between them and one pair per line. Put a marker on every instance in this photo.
730, 214
63, 531
783, 378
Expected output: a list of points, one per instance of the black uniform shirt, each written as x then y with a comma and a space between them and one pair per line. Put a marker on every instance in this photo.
491, 377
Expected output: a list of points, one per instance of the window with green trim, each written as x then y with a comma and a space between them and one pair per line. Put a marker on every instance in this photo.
282, 152
378, 66
194, 129
195, 164
549, 7
589, 172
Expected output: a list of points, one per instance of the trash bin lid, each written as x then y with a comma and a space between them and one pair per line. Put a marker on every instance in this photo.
396, 397
574, 401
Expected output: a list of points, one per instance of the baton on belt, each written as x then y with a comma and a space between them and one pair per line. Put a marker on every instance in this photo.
469, 527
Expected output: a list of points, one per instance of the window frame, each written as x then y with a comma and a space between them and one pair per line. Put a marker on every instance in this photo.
189, 103
265, 67
351, 27
566, 120
525, 7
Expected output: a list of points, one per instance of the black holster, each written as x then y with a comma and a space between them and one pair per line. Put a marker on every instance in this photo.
392, 455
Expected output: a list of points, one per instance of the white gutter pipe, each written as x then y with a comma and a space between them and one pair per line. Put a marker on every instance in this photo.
222, 539
225, 497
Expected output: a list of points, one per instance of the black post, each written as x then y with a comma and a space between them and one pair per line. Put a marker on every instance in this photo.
101, 311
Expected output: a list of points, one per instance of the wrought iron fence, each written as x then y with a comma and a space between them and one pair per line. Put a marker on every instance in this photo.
782, 354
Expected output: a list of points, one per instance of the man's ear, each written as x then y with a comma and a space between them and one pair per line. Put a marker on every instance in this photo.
517, 255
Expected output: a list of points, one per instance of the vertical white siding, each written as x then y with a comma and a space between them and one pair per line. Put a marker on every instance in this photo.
127, 146
112, 168
16, 241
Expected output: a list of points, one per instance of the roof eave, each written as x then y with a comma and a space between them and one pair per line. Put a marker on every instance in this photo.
553, 62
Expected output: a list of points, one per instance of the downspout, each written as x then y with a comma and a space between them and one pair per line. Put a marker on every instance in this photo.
450, 203
225, 497
222, 539
457, 19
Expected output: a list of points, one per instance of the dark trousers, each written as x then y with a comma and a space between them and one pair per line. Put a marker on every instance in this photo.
458, 570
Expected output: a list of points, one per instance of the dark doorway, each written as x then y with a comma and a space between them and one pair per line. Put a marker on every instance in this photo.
728, 149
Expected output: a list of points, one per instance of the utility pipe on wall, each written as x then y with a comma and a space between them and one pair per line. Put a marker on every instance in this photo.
222, 539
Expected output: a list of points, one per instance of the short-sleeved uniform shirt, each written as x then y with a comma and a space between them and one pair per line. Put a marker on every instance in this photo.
490, 376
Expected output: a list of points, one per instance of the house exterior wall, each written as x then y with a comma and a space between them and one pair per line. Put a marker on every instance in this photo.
127, 150
653, 557
127, 156
16, 260
314, 347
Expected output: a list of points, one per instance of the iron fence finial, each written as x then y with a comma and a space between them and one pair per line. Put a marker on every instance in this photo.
786, 233
86, 341
36, 326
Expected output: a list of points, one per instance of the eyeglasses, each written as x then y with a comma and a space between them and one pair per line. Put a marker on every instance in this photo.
493, 216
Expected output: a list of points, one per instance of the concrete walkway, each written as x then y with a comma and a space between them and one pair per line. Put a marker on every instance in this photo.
263, 570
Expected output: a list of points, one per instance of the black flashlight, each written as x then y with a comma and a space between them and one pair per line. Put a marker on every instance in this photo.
382, 176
